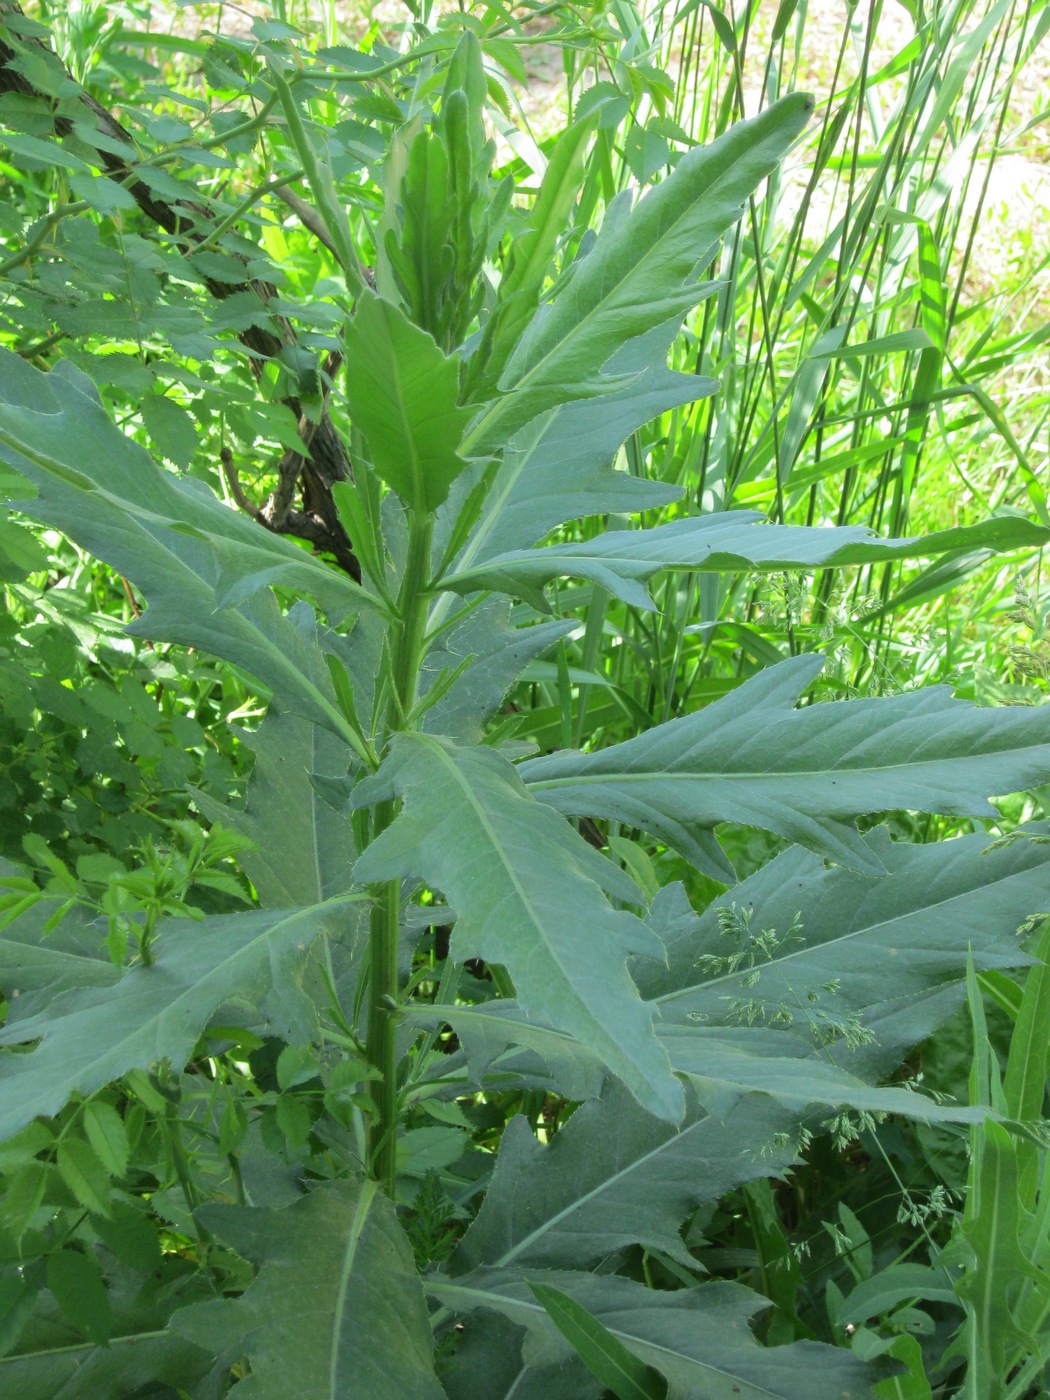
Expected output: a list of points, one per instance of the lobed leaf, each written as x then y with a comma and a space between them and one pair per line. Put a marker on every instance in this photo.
801, 773
559, 467
98, 485
699, 1339
886, 942
336, 1311
90, 1036
639, 273
171, 537
615, 1176
731, 541
528, 893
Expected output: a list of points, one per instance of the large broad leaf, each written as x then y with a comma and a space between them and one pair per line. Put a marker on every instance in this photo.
336, 1311
489, 656
402, 393
92, 1035
130, 1363
810, 961
801, 773
615, 1176
723, 1063
528, 893
560, 467
640, 272
899, 940
698, 1338
36, 965
108, 495
621, 560
55, 432
304, 849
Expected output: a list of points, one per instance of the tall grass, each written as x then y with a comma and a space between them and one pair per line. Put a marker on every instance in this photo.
873, 372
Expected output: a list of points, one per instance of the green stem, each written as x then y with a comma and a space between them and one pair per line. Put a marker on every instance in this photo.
386, 910
382, 1019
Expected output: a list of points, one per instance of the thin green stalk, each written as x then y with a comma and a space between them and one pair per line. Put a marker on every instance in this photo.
386, 911
382, 1021
47, 224
320, 182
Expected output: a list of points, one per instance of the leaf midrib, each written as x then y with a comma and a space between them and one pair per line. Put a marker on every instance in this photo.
605, 1184
658, 1347
866, 931
600, 307
745, 775
361, 1209
490, 832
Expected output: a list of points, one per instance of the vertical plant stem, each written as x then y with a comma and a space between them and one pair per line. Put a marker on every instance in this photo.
406, 657
382, 1021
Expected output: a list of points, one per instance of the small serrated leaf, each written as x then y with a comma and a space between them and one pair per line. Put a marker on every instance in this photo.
293, 1119
105, 1131
84, 1174
171, 430
25, 1191
131, 1236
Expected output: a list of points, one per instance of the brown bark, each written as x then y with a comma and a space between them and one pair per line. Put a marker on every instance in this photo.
190, 221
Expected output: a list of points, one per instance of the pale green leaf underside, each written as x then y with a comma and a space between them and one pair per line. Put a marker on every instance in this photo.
724, 1063
698, 1338
640, 272
528, 894
734, 541
54, 430
615, 1176
314, 1323
92, 1035
134, 517
129, 1363
801, 773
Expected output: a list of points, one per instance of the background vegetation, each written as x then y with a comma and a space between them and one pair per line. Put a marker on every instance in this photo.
879, 337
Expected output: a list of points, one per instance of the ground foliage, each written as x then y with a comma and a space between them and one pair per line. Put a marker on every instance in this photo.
519, 988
